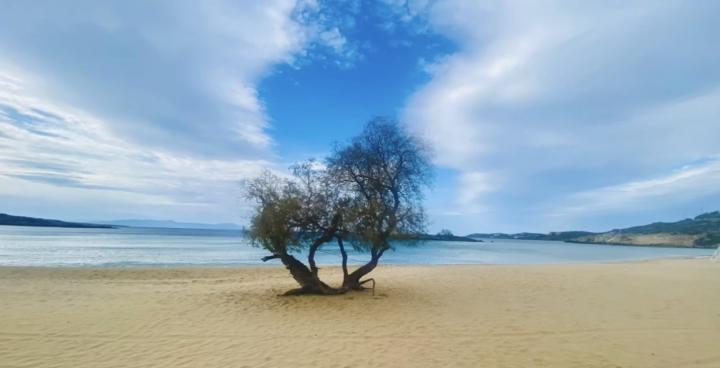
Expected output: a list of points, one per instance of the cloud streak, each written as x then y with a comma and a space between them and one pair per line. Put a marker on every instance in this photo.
55, 155
682, 192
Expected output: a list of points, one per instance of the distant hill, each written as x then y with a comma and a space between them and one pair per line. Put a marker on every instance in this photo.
446, 238
560, 236
172, 224
11, 220
702, 231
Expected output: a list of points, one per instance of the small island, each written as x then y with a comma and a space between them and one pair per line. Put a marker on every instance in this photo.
446, 235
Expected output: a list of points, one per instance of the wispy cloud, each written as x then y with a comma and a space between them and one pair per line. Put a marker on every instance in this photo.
50, 153
539, 112
125, 109
75, 151
175, 75
472, 188
686, 184
561, 98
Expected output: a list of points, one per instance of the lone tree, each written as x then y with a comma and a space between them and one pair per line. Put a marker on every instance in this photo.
369, 192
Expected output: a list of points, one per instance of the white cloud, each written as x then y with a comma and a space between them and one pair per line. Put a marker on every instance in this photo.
176, 75
689, 183
51, 154
325, 23
565, 97
334, 39
121, 109
472, 187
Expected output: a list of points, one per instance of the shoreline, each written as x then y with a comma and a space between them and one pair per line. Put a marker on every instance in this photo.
641, 245
161, 266
659, 313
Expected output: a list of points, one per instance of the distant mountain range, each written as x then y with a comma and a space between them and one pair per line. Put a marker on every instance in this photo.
561, 236
702, 231
6, 219
171, 224
442, 237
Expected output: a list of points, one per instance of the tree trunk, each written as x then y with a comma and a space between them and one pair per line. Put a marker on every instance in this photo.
344, 258
353, 280
327, 236
308, 281
311, 258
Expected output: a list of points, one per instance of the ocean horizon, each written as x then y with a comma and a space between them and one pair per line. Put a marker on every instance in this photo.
168, 247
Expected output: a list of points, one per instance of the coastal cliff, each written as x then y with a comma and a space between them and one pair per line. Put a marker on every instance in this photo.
703, 231
700, 232
660, 239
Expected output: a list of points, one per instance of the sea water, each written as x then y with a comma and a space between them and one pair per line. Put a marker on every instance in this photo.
44, 246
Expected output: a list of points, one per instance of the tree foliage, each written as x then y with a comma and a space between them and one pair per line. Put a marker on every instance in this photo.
368, 192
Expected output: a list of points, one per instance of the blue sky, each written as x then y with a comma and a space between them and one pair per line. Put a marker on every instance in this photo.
554, 116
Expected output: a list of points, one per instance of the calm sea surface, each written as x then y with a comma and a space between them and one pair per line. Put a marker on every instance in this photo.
36, 246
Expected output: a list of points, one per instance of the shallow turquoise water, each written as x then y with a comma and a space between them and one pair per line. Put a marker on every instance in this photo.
35, 246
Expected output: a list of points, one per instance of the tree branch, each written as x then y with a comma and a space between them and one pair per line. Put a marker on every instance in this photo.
267, 258
344, 258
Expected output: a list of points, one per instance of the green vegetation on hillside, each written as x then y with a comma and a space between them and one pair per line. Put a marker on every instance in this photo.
705, 223
556, 235
444, 235
703, 231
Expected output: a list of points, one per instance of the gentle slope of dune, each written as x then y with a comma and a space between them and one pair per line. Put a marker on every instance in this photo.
650, 314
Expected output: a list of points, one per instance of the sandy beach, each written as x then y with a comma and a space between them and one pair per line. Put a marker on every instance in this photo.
647, 314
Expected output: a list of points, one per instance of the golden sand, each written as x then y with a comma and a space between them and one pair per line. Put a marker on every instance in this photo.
650, 314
